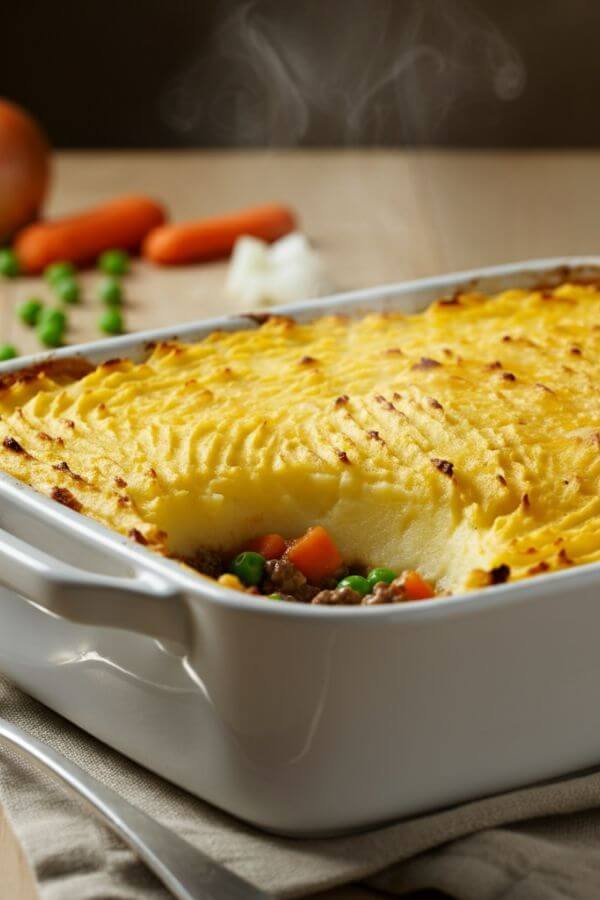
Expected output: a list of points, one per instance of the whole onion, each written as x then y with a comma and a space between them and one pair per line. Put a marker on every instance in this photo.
24, 168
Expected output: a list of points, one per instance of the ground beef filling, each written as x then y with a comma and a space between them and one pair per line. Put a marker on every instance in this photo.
338, 597
281, 578
208, 562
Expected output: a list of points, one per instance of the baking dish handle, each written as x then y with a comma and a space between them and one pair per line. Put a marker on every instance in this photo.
144, 603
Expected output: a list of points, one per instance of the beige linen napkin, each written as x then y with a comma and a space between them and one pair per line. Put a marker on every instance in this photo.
541, 843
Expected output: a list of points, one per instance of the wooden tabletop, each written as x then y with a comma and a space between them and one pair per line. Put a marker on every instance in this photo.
375, 216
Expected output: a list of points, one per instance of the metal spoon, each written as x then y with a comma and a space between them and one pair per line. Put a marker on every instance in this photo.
187, 872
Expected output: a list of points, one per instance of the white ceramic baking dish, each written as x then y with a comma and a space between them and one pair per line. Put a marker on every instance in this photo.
302, 720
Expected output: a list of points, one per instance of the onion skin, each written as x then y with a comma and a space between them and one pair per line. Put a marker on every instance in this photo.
24, 168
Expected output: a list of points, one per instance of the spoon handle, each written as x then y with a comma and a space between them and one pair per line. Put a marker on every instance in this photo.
187, 872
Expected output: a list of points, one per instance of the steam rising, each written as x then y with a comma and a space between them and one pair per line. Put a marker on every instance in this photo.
341, 72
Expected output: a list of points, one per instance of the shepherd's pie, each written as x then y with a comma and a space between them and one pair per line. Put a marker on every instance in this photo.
462, 442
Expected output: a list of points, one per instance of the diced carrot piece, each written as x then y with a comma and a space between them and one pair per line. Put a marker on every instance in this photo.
271, 546
315, 554
416, 587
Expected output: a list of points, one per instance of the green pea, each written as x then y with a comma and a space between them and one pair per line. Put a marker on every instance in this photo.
114, 262
67, 289
53, 316
111, 322
9, 264
110, 292
248, 567
274, 597
29, 312
50, 333
357, 583
7, 351
51, 327
58, 270
381, 574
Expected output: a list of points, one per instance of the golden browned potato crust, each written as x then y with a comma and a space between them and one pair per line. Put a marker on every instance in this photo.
463, 442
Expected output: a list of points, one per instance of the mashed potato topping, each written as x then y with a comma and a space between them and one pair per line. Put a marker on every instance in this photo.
463, 441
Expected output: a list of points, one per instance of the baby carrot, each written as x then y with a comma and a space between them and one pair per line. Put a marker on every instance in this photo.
122, 223
205, 239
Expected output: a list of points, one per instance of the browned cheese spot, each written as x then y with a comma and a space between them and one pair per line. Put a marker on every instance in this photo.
9, 443
443, 466
64, 467
385, 403
64, 496
426, 363
450, 301
500, 574
542, 566
563, 557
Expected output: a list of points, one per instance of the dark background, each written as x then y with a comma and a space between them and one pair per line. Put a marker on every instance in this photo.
179, 73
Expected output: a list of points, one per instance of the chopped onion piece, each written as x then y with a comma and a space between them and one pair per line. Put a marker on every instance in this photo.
283, 272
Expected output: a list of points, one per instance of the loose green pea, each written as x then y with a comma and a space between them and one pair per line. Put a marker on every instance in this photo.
114, 262
9, 264
67, 289
29, 312
274, 597
53, 316
249, 567
50, 334
381, 574
110, 292
7, 351
357, 583
111, 322
58, 270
